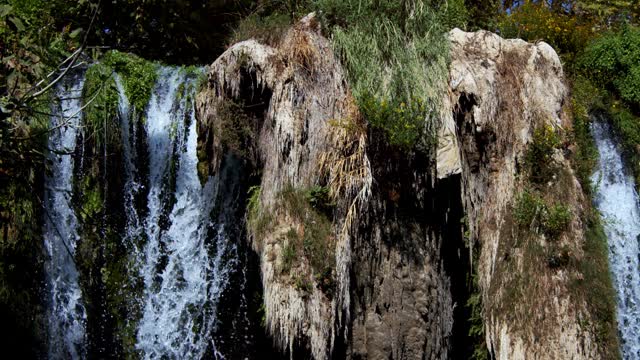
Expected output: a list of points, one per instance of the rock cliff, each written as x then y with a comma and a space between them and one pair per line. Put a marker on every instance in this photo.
380, 266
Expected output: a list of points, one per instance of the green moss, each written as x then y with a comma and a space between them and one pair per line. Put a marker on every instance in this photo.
258, 220
627, 127
594, 285
586, 98
235, 128
139, 76
313, 242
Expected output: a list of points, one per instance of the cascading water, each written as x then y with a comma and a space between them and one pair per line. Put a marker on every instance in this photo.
618, 202
182, 282
66, 313
180, 256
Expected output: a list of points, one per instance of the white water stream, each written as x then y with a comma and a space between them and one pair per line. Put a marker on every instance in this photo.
182, 282
66, 313
618, 202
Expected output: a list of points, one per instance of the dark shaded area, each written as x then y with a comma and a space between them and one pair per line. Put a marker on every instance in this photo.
240, 331
177, 31
240, 328
98, 169
457, 265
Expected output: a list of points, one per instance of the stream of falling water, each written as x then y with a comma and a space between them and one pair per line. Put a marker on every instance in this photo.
66, 313
182, 255
618, 202
182, 282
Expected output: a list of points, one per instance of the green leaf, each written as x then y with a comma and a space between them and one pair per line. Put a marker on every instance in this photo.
18, 23
5, 10
75, 33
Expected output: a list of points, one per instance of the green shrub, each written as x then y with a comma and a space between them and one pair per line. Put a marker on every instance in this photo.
539, 155
528, 209
613, 61
556, 220
455, 14
568, 33
532, 212
319, 198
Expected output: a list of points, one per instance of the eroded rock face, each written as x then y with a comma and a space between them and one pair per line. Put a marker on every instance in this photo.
399, 280
306, 135
501, 90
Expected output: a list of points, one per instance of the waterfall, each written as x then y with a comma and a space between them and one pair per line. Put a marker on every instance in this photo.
66, 313
174, 229
618, 201
183, 276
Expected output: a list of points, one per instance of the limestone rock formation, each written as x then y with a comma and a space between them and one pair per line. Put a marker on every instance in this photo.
502, 90
397, 257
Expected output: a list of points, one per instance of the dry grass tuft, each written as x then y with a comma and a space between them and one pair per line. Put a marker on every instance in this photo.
301, 51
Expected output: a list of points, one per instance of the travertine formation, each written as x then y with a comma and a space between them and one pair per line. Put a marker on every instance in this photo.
502, 90
398, 242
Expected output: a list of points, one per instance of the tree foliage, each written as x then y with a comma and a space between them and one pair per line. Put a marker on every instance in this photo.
613, 61
561, 28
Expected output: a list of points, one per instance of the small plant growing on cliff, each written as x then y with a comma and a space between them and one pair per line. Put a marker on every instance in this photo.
319, 198
539, 156
303, 285
528, 208
476, 324
531, 211
556, 221
289, 254
290, 251
325, 281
